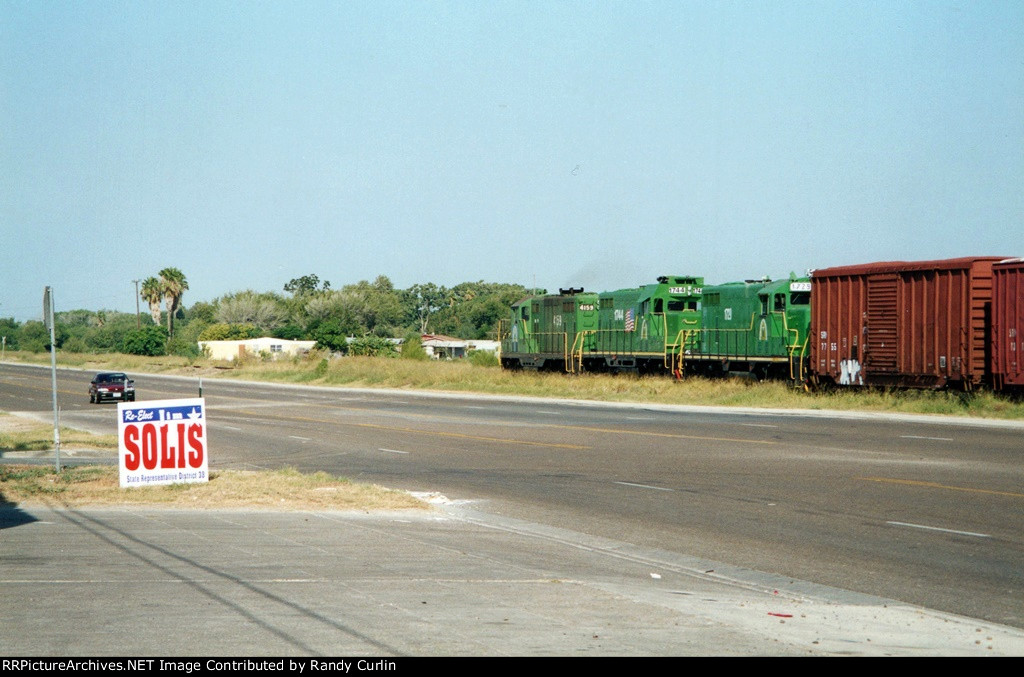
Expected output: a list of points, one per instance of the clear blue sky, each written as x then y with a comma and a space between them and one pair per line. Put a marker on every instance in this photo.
552, 143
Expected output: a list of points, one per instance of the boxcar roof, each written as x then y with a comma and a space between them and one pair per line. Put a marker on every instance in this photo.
898, 266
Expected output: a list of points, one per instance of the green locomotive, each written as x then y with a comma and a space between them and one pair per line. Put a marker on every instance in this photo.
677, 326
642, 329
758, 327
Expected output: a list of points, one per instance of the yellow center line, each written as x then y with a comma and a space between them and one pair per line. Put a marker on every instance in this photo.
936, 485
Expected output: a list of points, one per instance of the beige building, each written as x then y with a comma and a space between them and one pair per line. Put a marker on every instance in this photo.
274, 347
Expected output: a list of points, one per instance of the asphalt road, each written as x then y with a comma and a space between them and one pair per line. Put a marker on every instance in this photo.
926, 512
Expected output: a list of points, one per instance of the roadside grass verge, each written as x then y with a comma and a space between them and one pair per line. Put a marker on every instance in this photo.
99, 485
463, 376
18, 434
288, 489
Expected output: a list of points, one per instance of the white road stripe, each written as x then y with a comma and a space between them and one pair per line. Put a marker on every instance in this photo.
644, 486
948, 531
304, 439
759, 425
393, 451
922, 437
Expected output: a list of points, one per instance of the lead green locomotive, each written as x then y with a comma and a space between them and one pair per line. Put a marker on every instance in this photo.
643, 329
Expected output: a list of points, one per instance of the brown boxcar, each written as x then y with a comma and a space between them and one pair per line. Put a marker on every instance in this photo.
1008, 325
903, 323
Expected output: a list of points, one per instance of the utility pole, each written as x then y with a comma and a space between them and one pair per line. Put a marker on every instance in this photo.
49, 323
138, 324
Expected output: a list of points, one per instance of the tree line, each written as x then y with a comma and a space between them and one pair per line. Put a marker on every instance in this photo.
307, 309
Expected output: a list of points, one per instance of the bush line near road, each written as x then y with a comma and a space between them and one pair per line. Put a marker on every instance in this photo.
463, 376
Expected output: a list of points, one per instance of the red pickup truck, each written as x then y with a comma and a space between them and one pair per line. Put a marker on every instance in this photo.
111, 386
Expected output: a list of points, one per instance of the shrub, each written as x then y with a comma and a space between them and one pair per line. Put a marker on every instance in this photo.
151, 340
372, 346
482, 358
229, 332
412, 348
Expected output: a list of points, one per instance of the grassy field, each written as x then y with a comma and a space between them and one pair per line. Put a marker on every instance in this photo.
462, 376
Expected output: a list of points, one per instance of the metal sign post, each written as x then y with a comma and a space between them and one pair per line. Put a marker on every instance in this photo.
48, 321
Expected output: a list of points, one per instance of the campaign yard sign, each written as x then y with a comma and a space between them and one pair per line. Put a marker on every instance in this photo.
162, 442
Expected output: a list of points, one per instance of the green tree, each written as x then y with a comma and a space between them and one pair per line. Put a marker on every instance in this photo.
425, 300
289, 332
11, 329
33, 336
201, 312
372, 346
174, 285
330, 335
306, 285
152, 293
185, 341
377, 306
474, 308
223, 331
149, 340
267, 310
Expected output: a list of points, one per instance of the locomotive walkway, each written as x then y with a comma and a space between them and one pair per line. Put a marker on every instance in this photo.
455, 582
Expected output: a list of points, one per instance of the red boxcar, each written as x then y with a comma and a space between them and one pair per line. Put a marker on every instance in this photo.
903, 323
1008, 324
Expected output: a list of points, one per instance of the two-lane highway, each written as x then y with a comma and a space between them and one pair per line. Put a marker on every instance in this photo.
929, 512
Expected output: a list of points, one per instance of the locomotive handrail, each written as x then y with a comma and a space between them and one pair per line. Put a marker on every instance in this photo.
574, 354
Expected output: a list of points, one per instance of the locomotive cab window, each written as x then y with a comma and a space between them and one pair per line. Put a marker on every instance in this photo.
780, 303
659, 306
676, 306
800, 298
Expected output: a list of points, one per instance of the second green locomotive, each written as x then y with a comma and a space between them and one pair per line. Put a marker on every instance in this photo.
757, 327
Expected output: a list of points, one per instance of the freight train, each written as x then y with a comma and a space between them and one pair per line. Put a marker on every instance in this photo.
950, 323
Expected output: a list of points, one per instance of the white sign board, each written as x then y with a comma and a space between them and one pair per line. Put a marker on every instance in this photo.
162, 442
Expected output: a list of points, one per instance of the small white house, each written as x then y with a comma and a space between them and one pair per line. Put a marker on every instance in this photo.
481, 344
275, 347
441, 347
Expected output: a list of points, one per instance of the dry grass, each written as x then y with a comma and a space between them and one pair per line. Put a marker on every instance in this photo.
20, 434
462, 376
288, 489
99, 485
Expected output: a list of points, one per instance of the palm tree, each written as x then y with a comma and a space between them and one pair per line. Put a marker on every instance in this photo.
173, 285
151, 293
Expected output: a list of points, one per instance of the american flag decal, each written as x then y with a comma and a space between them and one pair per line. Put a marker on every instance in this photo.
630, 320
